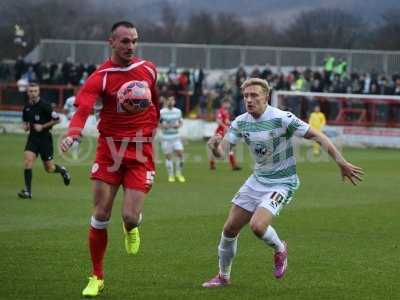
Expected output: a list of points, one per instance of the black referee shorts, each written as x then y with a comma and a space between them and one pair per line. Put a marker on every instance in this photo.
41, 145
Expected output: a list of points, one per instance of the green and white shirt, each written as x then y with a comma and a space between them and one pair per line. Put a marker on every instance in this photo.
171, 117
270, 141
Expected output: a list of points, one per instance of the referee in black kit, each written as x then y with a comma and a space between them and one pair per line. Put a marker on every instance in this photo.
38, 118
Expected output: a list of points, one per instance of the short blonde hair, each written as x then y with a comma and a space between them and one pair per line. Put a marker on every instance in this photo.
257, 81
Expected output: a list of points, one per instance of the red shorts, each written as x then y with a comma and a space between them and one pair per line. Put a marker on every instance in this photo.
129, 164
221, 131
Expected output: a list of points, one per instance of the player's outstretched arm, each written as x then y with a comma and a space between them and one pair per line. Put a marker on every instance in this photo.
348, 170
85, 101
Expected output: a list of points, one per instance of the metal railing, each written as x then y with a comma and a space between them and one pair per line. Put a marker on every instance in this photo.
220, 56
343, 109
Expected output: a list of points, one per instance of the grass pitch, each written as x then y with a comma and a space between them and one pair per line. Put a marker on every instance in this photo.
343, 240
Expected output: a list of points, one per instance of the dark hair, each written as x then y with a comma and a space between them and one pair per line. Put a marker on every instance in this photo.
122, 23
33, 84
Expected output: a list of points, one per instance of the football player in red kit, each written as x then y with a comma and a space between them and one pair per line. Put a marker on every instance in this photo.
124, 156
224, 121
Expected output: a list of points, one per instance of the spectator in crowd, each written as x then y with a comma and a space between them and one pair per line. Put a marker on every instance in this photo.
397, 87
283, 83
266, 72
329, 64
30, 75
356, 84
240, 77
317, 121
20, 67
255, 73
198, 78
5, 72
206, 89
341, 68
366, 82
66, 71
337, 85
384, 85
183, 89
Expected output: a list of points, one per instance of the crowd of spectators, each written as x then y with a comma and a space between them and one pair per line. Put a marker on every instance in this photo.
200, 92
324, 80
65, 73
206, 90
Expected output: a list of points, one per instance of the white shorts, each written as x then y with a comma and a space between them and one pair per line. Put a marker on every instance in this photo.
273, 199
169, 146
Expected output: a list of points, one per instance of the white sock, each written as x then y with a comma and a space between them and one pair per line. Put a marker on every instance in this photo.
271, 238
178, 165
170, 167
226, 252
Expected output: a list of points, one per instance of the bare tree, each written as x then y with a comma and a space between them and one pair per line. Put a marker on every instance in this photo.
200, 29
388, 34
229, 29
327, 28
76, 19
264, 34
172, 29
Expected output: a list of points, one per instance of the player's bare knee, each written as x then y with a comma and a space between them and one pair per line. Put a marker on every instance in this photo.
101, 213
28, 163
230, 230
258, 228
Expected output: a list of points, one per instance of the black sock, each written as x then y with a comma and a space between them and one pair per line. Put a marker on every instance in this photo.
28, 179
59, 169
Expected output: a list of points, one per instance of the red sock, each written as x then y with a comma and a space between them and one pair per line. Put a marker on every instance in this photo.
232, 160
97, 246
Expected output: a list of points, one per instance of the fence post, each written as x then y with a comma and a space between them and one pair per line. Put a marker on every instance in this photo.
105, 52
73, 51
173, 55
349, 62
140, 52
385, 63
313, 59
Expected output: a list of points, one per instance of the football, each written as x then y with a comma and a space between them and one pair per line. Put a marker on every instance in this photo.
134, 97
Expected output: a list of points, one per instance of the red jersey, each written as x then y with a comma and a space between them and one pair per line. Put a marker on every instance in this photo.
104, 84
224, 117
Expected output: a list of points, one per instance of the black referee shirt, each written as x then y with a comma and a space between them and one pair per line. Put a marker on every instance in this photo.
38, 113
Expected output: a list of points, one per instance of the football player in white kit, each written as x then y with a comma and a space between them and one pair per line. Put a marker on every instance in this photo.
268, 132
171, 143
69, 110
